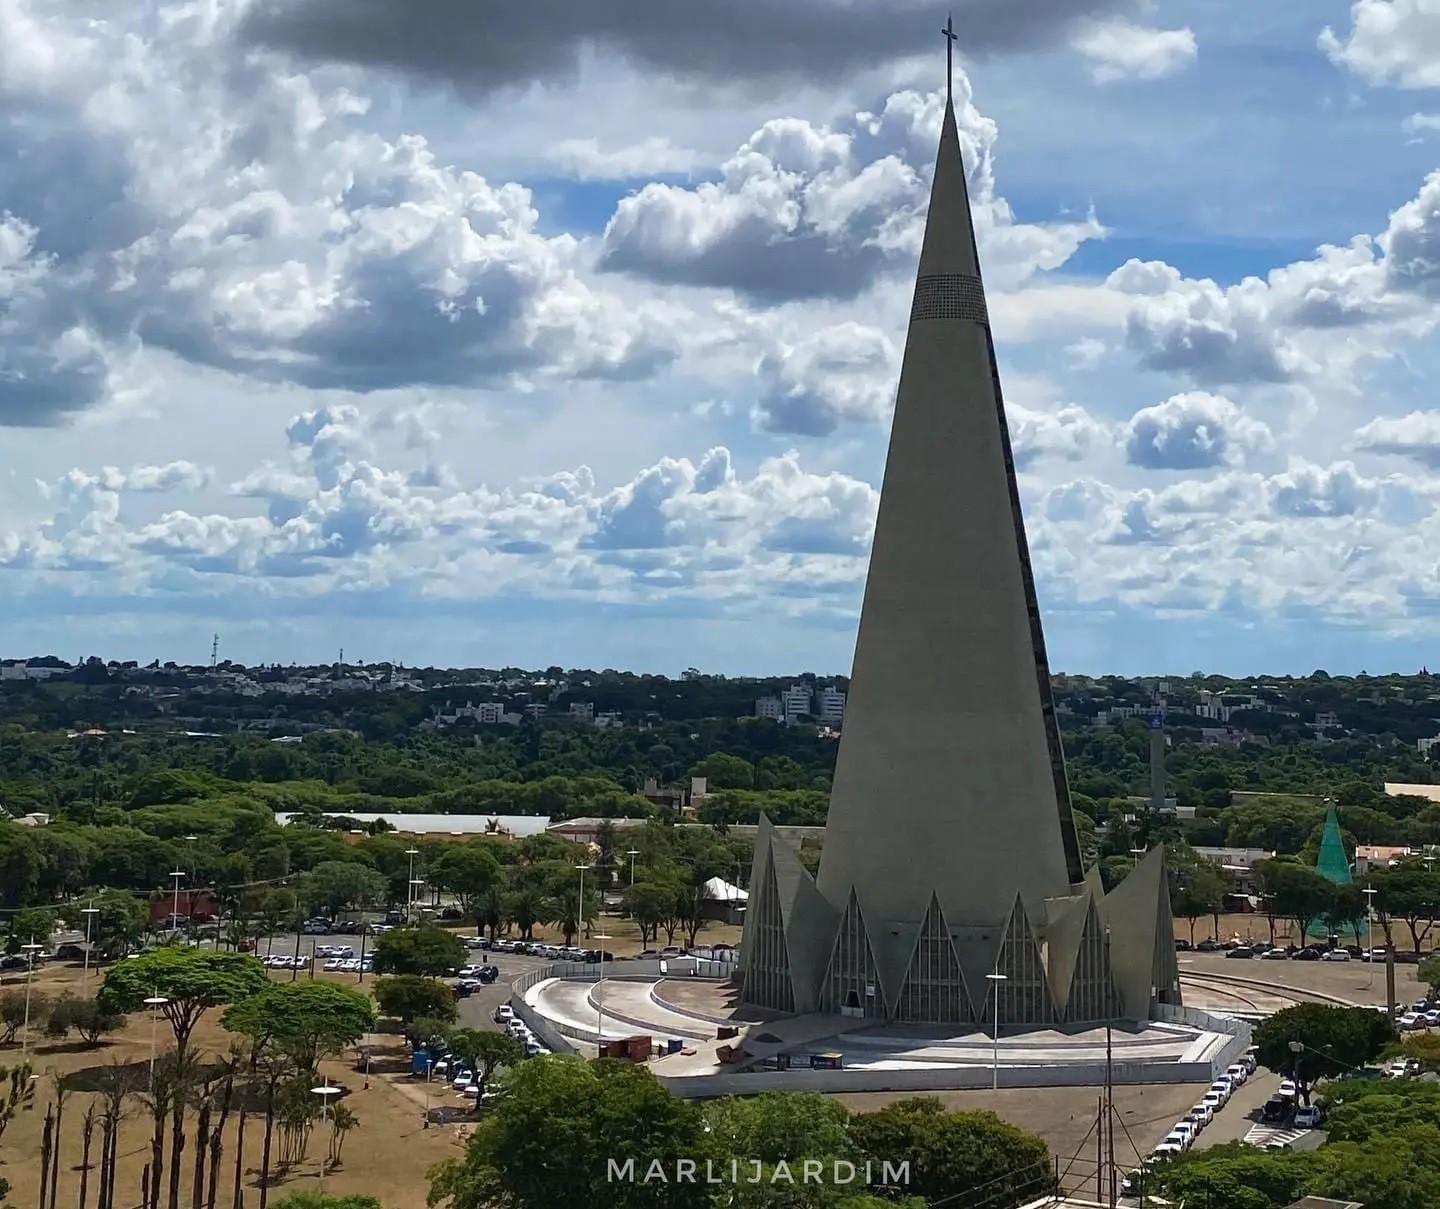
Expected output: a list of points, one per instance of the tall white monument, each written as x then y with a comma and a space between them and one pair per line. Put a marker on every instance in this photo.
950, 848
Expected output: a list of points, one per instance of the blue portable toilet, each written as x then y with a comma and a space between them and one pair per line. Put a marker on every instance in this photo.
420, 1062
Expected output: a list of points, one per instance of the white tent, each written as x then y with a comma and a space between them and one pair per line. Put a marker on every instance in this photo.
720, 890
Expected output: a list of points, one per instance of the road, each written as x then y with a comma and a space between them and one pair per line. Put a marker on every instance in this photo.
1235, 1120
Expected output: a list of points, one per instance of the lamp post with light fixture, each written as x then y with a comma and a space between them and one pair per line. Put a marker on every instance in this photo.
154, 1003
600, 994
177, 875
89, 913
580, 908
412, 853
29, 950
325, 1092
996, 980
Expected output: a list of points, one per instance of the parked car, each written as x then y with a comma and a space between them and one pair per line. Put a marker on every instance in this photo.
1202, 1114
1275, 955
1288, 1090
1240, 951
1208, 945
1274, 1110
1309, 953
1336, 955
1182, 945
1237, 1073
1308, 1118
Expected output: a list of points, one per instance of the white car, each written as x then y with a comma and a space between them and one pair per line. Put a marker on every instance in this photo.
1307, 1118
333, 964
1202, 1114
1213, 1100
1288, 1090
1396, 1069
1335, 955
1224, 1087
1186, 1130
1237, 1073
505, 1012
1178, 1139
1411, 1020
464, 1077
1168, 1149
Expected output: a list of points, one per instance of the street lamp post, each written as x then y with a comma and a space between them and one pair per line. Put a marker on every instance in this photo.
412, 853
414, 895
600, 994
580, 910
154, 1003
1370, 892
632, 854
29, 950
325, 1093
177, 875
89, 913
995, 980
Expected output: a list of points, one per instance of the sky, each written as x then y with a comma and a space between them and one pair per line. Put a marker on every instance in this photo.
565, 333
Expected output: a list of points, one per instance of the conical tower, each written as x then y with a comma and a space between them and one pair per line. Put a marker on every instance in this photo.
950, 774
950, 810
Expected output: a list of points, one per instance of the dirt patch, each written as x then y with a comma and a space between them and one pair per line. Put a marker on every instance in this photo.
386, 1156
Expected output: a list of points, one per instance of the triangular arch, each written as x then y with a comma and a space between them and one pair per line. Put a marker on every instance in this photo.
934, 987
1091, 997
1022, 997
852, 981
767, 957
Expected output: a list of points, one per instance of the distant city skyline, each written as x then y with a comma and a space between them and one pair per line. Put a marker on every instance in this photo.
517, 344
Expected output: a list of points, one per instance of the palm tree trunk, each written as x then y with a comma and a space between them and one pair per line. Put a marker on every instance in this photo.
86, 1135
202, 1148
265, 1150
47, 1144
157, 1158
55, 1145
239, 1161
107, 1134
177, 1148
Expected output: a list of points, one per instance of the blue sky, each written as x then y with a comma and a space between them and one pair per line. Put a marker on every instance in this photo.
448, 342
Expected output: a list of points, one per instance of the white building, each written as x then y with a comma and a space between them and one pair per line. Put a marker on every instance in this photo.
797, 700
830, 705
1427, 745
769, 707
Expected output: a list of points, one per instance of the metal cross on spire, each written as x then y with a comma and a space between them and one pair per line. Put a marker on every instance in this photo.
950, 37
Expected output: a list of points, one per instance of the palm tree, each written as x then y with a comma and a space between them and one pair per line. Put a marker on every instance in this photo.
526, 908
342, 1121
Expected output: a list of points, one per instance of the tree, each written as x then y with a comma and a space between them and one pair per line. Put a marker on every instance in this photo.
27, 924
424, 950
13, 1011
485, 1051
649, 903
1296, 892
338, 886
408, 997
951, 1153
1200, 890
1333, 1039
1411, 893
192, 981
310, 1020
119, 922
1429, 973
17, 1093
468, 871
547, 1141
1237, 1176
